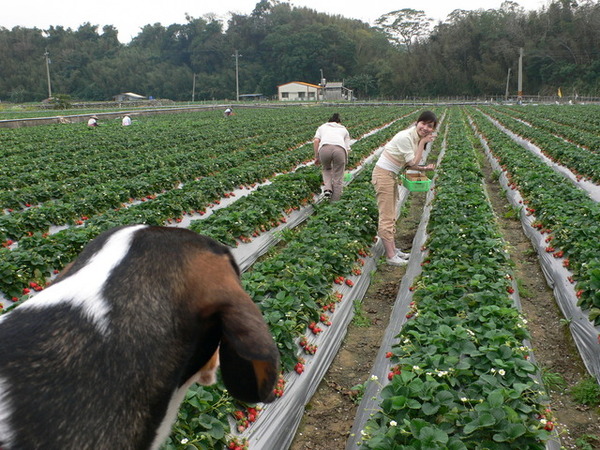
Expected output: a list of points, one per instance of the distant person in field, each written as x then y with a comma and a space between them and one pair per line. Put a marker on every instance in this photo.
332, 145
126, 120
403, 151
228, 112
93, 122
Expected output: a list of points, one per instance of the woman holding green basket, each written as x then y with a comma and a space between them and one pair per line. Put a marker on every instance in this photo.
403, 151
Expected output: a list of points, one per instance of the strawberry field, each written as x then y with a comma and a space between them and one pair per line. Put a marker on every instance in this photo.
456, 369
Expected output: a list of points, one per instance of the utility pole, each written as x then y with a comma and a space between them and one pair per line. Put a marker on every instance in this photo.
193, 88
520, 78
237, 75
48, 73
507, 80
323, 83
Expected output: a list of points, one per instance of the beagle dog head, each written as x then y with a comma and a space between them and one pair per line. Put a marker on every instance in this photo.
139, 315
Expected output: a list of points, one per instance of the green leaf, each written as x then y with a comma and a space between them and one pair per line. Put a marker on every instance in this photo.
398, 402
510, 432
496, 399
431, 437
481, 421
430, 409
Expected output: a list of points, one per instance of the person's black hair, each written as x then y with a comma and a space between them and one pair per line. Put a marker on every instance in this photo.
428, 117
335, 118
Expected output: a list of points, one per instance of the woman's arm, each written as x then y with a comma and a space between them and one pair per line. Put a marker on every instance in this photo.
413, 164
316, 142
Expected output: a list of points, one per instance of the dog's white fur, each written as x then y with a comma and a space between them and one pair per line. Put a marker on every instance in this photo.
89, 279
5, 411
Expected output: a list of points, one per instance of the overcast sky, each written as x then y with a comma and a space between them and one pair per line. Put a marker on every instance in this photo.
129, 16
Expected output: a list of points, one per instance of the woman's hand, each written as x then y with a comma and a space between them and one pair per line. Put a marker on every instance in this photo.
429, 138
427, 167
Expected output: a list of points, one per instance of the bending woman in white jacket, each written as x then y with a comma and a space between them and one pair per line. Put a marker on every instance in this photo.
332, 144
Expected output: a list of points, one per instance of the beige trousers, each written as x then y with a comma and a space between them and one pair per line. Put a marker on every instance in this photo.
333, 162
386, 193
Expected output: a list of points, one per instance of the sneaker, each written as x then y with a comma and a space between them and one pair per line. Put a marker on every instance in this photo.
327, 193
402, 255
396, 261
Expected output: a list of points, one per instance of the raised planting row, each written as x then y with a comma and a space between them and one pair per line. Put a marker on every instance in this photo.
580, 129
569, 218
460, 375
583, 118
581, 161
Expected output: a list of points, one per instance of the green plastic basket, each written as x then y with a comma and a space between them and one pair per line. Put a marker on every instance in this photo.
415, 182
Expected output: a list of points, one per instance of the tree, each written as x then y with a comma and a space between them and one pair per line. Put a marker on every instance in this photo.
405, 26
363, 85
468, 54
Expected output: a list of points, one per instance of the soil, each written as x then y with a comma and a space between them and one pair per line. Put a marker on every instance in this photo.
329, 415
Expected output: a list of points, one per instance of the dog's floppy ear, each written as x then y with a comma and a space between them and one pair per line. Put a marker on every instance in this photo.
249, 356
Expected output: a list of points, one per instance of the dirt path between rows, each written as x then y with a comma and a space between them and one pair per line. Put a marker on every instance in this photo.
329, 416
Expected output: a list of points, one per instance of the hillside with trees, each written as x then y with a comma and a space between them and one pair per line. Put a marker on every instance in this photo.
404, 55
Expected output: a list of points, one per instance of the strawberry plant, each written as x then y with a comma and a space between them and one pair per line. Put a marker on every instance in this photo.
583, 162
